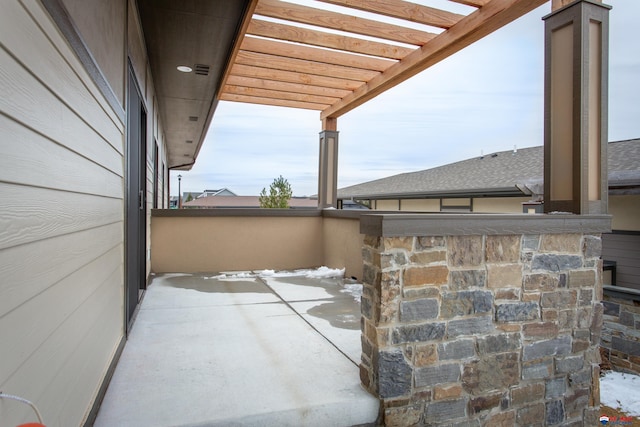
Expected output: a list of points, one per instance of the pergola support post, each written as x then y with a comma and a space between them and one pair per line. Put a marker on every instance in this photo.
576, 104
328, 165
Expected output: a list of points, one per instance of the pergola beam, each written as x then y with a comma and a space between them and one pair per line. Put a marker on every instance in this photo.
320, 56
274, 30
304, 66
280, 95
277, 75
270, 101
286, 86
403, 10
338, 21
473, 27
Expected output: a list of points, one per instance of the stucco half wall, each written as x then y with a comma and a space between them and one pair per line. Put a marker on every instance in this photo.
214, 240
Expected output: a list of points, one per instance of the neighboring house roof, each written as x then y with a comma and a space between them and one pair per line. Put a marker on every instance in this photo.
506, 173
245, 202
220, 192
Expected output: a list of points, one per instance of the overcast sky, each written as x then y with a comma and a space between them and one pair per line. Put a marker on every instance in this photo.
486, 98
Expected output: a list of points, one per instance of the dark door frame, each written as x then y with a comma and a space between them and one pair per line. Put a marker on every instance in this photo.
135, 226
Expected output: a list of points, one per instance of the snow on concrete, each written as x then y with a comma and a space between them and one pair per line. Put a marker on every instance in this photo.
621, 391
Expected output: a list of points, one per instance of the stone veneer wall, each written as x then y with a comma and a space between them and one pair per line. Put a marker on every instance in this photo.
621, 329
485, 329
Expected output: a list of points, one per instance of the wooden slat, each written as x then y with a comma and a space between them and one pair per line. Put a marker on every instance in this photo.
297, 51
293, 77
303, 66
339, 21
403, 10
272, 102
286, 87
274, 94
474, 3
470, 29
292, 33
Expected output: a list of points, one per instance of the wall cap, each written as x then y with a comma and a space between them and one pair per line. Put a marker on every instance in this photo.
226, 212
401, 225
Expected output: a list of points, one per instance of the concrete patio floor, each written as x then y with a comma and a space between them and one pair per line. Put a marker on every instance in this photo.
241, 350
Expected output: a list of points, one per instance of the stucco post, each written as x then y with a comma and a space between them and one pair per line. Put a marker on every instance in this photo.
328, 165
576, 103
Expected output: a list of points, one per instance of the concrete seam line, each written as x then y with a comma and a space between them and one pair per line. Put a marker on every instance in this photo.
305, 320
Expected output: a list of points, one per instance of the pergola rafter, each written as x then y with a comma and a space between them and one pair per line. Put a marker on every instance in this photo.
299, 56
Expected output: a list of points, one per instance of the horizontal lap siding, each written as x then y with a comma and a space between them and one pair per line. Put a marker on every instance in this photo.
61, 222
624, 249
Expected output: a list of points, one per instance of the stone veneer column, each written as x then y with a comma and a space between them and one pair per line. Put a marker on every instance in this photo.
498, 326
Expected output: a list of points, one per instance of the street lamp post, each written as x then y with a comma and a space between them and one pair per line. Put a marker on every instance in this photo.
179, 192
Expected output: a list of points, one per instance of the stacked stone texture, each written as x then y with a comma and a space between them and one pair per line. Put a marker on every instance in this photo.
621, 333
483, 330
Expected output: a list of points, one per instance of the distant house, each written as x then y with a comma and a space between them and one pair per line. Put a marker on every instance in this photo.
221, 192
244, 202
511, 182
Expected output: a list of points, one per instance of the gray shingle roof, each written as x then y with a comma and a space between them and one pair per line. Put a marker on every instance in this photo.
498, 173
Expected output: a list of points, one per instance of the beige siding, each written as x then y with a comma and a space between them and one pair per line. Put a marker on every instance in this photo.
421, 205
626, 212
385, 205
499, 204
61, 225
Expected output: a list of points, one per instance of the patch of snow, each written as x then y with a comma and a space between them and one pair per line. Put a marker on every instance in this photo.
318, 273
233, 276
218, 277
353, 289
621, 391
323, 272
242, 275
283, 273
266, 273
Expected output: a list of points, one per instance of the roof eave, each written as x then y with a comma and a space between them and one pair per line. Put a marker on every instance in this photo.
479, 192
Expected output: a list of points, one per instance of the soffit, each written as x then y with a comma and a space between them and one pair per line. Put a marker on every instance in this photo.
199, 34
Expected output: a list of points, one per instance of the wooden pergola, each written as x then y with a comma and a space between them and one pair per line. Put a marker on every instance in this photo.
299, 56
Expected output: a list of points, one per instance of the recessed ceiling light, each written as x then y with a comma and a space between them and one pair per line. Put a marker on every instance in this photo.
184, 69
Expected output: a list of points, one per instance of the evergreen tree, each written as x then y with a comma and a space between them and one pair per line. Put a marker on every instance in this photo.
279, 194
